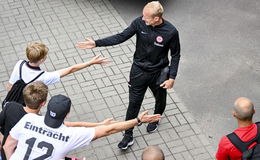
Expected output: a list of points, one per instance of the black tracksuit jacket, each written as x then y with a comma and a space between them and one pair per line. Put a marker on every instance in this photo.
152, 45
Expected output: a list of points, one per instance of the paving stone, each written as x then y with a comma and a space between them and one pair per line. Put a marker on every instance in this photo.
170, 157
103, 114
153, 139
181, 119
188, 117
195, 128
119, 89
112, 158
197, 151
139, 143
131, 156
173, 120
204, 156
171, 112
104, 152
188, 144
169, 135
195, 140
186, 133
178, 149
211, 150
186, 155
182, 128
175, 143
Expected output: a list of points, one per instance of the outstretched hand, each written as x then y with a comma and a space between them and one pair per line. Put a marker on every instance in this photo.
88, 44
99, 60
108, 121
145, 118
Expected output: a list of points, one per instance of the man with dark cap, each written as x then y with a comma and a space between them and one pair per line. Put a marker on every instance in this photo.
33, 132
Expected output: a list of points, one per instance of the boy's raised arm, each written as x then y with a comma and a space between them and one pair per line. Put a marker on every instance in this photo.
102, 131
77, 67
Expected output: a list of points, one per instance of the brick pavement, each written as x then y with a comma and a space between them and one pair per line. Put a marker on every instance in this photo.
96, 92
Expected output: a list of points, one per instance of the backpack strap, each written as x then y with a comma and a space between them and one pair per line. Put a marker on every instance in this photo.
239, 144
258, 132
36, 77
20, 69
20, 72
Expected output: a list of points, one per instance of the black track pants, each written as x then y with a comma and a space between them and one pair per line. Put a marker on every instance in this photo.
138, 84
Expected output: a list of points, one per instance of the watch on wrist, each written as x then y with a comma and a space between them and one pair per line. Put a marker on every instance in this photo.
139, 122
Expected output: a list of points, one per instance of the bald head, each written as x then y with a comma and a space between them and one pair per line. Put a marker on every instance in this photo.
244, 109
152, 153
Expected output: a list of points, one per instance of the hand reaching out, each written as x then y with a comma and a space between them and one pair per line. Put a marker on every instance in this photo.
145, 118
99, 60
108, 121
88, 44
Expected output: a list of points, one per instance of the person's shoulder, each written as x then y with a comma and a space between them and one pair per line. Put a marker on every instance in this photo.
19, 62
13, 106
242, 130
49, 78
170, 25
224, 139
138, 20
225, 142
31, 116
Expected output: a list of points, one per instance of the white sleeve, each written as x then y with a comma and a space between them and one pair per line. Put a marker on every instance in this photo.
81, 136
15, 74
49, 78
16, 130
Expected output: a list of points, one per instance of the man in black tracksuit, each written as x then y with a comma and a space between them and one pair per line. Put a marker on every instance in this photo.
154, 38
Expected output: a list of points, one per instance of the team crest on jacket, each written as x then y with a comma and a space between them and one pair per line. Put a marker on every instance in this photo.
159, 39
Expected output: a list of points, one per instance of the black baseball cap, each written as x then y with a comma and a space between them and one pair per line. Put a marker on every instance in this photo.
57, 109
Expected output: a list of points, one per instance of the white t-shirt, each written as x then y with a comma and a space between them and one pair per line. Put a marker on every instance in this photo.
36, 140
29, 73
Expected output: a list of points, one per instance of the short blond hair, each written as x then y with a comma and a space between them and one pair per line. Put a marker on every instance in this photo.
156, 7
34, 94
36, 51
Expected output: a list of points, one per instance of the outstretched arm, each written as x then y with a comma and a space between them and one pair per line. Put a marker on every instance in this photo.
89, 124
77, 67
102, 131
111, 40
9, 146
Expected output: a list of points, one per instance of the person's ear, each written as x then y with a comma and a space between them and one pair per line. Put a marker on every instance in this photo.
43, 103
156, 18
233, 113
42, 60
